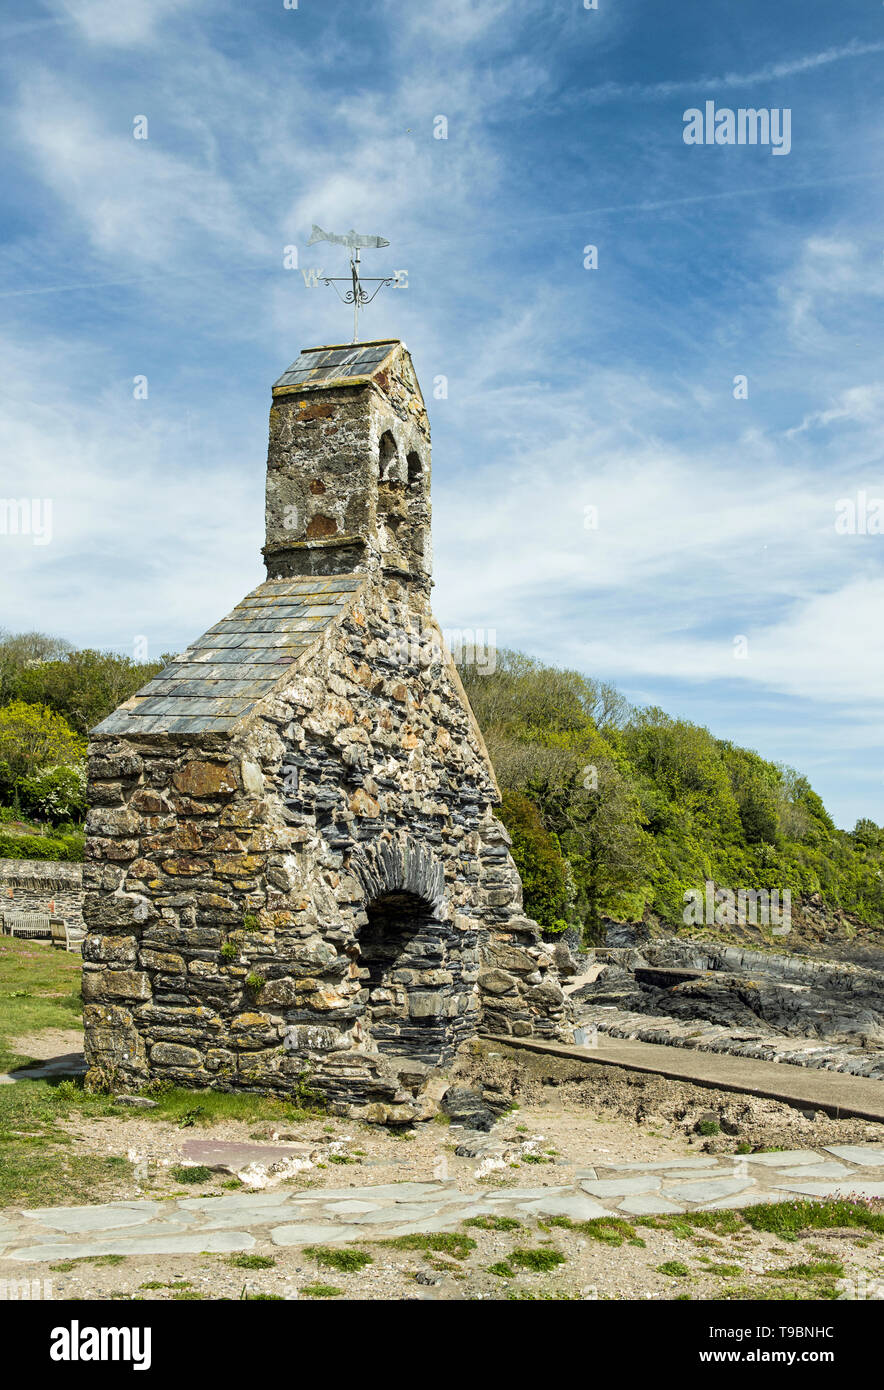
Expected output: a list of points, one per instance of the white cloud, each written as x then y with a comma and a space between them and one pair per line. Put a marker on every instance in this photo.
830, 273
861, 405
448, 22
140, 544
139, 202
123, 23
769, 72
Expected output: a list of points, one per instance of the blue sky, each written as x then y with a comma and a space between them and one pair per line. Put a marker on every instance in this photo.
568, 388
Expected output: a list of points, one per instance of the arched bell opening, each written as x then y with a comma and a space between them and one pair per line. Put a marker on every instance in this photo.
416, 1006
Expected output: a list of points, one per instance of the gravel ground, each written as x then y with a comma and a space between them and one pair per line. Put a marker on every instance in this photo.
610, 1116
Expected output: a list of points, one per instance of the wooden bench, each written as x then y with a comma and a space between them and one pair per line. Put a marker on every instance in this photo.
65, 936
74, 938
33, 925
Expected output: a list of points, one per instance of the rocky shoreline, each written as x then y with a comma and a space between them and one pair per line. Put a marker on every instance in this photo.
718, 997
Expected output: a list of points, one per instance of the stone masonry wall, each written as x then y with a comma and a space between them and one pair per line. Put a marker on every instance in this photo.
42, 885
229, 878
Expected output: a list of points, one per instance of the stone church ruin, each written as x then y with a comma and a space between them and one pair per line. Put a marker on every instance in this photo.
294, 872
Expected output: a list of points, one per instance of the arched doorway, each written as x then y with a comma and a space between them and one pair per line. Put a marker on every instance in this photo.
417, 1005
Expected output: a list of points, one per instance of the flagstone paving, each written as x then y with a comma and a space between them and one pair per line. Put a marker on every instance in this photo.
286, 1217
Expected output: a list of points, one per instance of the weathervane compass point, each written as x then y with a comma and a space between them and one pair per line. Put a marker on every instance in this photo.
357, 294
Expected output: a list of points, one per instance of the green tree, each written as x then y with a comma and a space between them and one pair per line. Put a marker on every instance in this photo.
85, 686
34, 737
19, 651
642, 806
546, 884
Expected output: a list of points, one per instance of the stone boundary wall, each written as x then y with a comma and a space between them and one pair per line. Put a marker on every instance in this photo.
42, 885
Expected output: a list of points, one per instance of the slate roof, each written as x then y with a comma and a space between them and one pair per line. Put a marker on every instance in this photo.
352, 364
221, 676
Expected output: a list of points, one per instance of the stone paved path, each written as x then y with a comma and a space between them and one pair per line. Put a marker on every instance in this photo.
833, 1092
191, 1225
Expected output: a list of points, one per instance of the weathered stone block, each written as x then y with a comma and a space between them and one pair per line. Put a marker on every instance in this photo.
167, 962
166, 1054
237, 865
497, 982
426, 1005
198, 778
118, 949
116, 984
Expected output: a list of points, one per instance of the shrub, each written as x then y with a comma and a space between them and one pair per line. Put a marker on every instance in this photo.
708, 1127
68, 847
56, 793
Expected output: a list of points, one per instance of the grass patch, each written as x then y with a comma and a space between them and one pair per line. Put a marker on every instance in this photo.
188, 1175
52, 1176
40, 989
543, 1296
321, 1291
789, 1219
252, 1261
814, 1269
347, 1261
65, 1266
206, 1108
783, 1293
446, 1242
502, 1270
674, 1268
685, 1224
494, 1223
537, 1261
610, 1230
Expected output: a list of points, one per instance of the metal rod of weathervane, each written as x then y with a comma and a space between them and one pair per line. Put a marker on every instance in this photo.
357, 295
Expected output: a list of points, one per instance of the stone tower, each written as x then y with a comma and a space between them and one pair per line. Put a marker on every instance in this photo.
294, 871
348, 469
